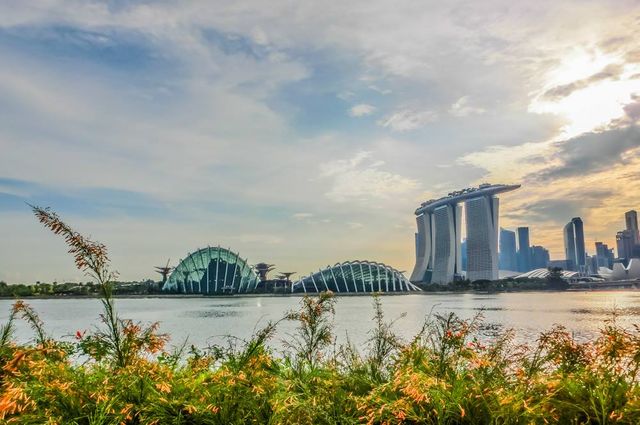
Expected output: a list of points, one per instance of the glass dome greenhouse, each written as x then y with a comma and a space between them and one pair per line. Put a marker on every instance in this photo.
354, 277
212, 271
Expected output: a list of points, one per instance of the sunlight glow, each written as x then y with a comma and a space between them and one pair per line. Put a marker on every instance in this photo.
593, 104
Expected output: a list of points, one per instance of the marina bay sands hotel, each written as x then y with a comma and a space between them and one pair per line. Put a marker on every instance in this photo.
438, 251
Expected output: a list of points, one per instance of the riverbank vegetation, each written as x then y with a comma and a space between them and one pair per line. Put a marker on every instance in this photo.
76, 289
553, 282
122, 372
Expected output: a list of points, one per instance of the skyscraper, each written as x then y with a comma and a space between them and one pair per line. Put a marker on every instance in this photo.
631, 220
438, 251
624, 244
574, 245
482, 237
524, 253
539, 257
446, 254
508, 259
604, 257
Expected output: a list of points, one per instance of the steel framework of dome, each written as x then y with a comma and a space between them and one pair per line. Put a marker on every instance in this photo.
354, 277
544, 273
212, 271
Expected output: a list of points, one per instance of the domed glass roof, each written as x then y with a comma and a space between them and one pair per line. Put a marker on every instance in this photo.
212, 271
354, 277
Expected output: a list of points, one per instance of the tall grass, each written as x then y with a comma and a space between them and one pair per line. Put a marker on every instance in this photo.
446, 374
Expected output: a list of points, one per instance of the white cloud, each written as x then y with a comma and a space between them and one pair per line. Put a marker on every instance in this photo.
302, 215
361, 110
408, 119
360, 179
462, 108
355, 225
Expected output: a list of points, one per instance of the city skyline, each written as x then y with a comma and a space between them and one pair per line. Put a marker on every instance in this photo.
304, 134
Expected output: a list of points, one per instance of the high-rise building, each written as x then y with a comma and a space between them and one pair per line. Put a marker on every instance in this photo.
482, 214
574, 245
524, 251
508, 259
631, 220
438, 250
447, 251
539, 257
625, 245
604, 255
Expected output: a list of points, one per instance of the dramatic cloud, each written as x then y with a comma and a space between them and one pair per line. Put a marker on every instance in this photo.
559, 211
611, 71
592, 152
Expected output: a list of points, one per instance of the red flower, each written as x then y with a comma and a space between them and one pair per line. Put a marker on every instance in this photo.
79, 334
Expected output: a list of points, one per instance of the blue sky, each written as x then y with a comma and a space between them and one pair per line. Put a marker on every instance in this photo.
304, 134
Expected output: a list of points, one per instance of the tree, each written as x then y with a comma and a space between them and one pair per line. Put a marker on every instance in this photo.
555, 279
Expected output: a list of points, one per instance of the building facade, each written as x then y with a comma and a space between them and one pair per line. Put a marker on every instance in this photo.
539, 257
524, 250
631, 221
438, 239
625, 245
574, 245
481, 215
604, 255
508, 258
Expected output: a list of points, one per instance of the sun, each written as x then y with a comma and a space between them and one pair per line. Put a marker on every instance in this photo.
591, 102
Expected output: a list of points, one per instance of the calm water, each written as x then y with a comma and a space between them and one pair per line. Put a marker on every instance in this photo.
205, 320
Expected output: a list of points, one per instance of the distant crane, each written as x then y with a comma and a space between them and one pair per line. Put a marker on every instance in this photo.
164, 271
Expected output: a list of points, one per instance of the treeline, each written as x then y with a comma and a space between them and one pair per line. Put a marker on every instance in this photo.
553, 282
41, 289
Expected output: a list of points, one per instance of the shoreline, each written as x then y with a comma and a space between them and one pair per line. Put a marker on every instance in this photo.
302, 294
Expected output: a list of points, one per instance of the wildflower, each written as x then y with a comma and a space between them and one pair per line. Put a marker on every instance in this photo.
80, 335
163, 387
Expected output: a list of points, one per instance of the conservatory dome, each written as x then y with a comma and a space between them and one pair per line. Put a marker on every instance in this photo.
212, 271
353, 277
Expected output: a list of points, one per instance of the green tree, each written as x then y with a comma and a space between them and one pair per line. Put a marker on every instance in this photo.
555, 279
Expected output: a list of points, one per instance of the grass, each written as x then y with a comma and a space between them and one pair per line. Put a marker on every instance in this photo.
121, 372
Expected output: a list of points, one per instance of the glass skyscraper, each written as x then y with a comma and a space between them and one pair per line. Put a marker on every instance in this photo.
524, 252
574, 245
508, 258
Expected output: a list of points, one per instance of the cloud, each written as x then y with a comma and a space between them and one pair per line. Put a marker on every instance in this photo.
609, 72
360, 179
302, 215
361, 110
194, 110
408, 119
560, 210
355, 225
462, 108
590, 153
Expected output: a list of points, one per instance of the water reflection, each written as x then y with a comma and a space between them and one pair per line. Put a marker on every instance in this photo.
584, 313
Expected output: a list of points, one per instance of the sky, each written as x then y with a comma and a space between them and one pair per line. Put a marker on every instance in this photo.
306, 133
